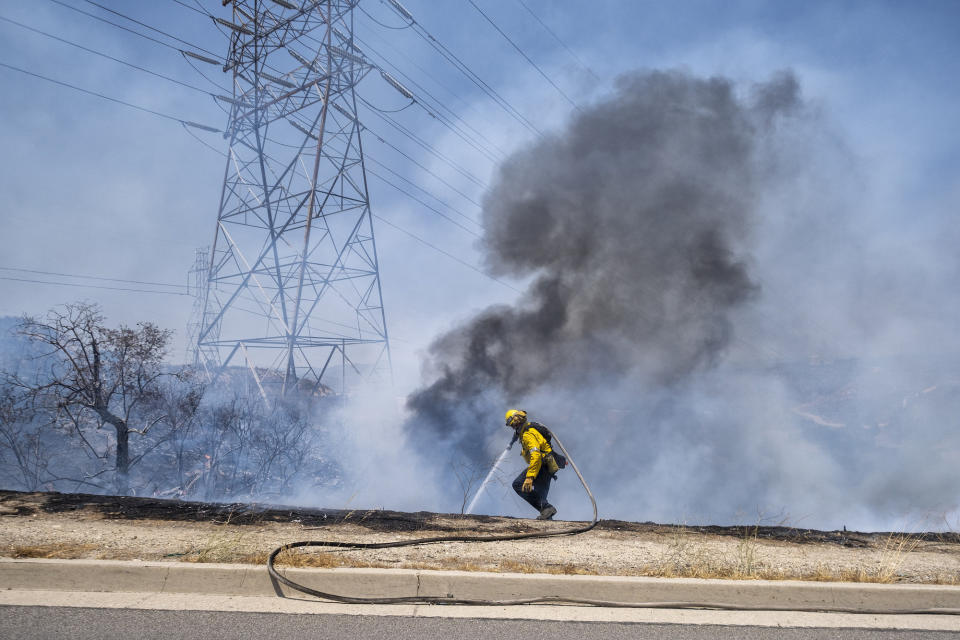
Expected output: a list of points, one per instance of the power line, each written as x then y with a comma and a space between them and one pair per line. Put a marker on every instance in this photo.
443, 119
94, 286
186, 6
450, 121
145, 37
104, 55
421, 240
413, 197
523, 53
449, 255
74, 275
190, 61
423, 144
190, 132
427, 243
427, 170
558, 39
187, 123
472, 76
422, 190
385, 26
435, 110
412, 102
411, 159
106, 97
450, 125
309, 6
152, 28
462, 67
402, 129
399, 52
118, 26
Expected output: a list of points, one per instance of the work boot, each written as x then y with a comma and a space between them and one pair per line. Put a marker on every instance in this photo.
547, 512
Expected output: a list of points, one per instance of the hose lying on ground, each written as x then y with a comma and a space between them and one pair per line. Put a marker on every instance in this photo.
406, 543
450, 600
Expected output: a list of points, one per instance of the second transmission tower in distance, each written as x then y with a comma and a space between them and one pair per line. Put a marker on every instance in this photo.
293, 289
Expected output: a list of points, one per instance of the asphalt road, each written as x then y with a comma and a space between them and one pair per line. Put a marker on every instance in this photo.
34, 623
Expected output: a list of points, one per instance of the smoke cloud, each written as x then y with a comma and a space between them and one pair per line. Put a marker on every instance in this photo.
634, 224
703, 325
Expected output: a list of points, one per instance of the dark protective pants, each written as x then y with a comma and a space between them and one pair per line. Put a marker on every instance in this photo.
541, 487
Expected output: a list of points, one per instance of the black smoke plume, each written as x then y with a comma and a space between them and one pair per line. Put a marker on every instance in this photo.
634, 223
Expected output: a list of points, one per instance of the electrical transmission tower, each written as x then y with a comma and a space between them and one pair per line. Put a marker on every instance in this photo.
293, 285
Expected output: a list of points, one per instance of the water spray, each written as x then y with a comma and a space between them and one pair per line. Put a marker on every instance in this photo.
486, 481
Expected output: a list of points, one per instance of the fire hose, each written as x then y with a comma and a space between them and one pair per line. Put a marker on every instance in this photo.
407, 543
451, 600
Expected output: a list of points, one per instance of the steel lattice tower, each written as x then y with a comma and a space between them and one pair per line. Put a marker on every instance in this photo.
293, 288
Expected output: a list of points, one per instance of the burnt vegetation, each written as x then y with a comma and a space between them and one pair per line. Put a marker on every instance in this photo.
89, 407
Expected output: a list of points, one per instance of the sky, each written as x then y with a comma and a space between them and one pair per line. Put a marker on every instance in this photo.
96, 188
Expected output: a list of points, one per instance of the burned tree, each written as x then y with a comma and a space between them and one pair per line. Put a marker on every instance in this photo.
23, 452
95, 377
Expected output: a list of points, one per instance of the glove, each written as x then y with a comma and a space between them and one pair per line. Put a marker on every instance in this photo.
527, 485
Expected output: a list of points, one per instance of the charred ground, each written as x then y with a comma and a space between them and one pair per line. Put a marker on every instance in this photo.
25, 504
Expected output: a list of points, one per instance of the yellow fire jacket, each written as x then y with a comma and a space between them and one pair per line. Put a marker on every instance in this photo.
533, 447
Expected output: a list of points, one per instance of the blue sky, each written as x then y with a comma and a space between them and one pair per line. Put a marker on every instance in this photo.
96, 188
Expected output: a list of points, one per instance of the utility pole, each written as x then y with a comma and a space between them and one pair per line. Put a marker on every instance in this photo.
293, 286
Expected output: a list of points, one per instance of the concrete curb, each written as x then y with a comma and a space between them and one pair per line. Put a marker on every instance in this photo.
250, 580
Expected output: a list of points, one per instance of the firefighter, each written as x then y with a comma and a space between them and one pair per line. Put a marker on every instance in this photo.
533, 483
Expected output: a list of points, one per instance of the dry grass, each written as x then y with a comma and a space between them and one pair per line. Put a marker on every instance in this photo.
219, 549
445, 564
895, 549
317, 560
683, 557
298, 558
569, 569
686, 557
885, 570
747, 561
563, 569
58, 551
683, 554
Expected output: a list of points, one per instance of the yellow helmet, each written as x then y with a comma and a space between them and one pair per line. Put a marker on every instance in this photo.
516, 417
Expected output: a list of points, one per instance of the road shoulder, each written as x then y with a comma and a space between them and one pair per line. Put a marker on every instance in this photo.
308, 606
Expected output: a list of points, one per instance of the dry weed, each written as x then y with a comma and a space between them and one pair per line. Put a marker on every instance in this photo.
685, 558
303, 558
514, 566
219, 549
895, 549
884, 571
446, 564
747, 553
54, 551
570, 569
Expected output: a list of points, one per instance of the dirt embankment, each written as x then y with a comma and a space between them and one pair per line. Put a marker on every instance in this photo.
53, 525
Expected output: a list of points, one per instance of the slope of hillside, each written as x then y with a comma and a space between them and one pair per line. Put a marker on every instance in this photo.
54, 525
